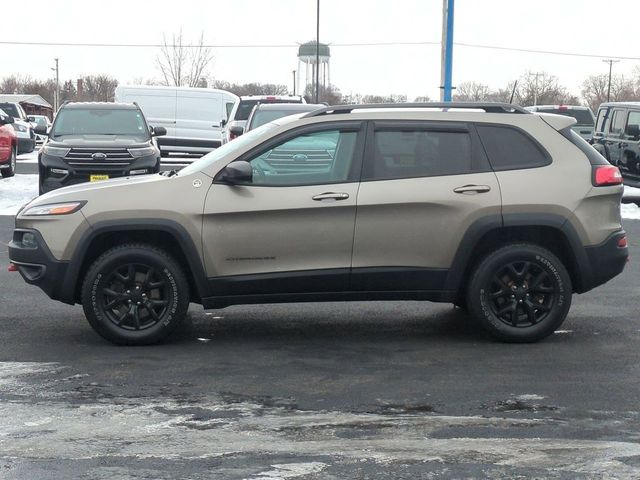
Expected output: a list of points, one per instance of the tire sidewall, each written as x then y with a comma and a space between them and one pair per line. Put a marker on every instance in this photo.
96, 280
478, 295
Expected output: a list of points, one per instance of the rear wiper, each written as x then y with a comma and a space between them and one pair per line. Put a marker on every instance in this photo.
169, 173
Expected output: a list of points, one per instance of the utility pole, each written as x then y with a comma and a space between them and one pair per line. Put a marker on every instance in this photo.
535, 91
318, 52
294, 81
446, 62
610, 61
56, 93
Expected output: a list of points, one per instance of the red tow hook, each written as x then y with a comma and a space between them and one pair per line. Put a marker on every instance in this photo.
12, 267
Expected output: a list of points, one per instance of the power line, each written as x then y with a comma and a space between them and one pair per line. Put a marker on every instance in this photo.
295, 45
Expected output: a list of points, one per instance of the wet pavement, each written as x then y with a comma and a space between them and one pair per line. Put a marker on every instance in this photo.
307, 391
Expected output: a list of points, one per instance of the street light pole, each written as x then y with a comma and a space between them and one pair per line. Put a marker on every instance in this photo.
56, 93
610, 61
294, 81
318, 52
446, 67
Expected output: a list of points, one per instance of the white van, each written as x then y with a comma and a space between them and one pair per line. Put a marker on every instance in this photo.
193, 117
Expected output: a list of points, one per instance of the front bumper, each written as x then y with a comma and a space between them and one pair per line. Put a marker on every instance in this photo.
39, 267
82, 173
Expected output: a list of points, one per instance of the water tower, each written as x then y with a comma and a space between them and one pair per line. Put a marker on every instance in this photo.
307, 54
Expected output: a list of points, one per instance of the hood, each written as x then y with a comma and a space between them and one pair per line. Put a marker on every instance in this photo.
107, 141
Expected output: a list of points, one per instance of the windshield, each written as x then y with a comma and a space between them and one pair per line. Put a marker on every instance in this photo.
583, 117
10, 109
40, 121
245, 107
261, 117
221, 152
100, 121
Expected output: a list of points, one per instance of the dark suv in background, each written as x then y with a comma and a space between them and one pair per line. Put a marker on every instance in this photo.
90, 142
617, 138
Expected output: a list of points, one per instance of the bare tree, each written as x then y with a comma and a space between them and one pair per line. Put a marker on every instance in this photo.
329, 94
422, 99
596, 87
542, 88
251, 88
181, 64
98, 88
472, 92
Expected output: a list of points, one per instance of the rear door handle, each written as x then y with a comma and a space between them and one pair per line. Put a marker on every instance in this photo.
472, 189
330, 196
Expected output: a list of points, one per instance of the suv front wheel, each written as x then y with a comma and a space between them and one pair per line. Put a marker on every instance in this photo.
135, 294
520, 293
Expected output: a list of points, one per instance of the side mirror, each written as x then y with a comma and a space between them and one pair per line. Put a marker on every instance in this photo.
633, 130
6, 119
236, 131
31, 119
158, 131
40, 129
223, 122
237, 172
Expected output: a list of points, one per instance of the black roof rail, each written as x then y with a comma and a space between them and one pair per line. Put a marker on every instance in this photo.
489, 107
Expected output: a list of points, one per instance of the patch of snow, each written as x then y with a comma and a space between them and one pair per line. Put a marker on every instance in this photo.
16, 191
631, 191
563, 331
529, 397
291, 470
630, 211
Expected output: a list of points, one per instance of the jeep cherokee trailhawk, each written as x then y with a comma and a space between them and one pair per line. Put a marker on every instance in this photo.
500, 211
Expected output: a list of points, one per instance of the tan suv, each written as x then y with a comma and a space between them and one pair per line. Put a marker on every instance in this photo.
500, 211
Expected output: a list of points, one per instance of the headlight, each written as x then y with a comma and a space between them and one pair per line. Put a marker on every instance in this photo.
142, 152
19, 128
54, 209
55, 151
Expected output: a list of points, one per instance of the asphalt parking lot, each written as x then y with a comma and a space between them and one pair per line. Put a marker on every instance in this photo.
355, 390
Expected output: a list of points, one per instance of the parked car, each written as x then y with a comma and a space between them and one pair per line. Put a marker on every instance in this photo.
617, 138
500, 211
21, 125
267, 112
43, 122
92, 141
8, 146
193, 117
585, 120
242, 109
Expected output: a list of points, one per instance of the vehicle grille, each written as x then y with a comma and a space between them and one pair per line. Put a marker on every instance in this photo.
115, 157
300, 160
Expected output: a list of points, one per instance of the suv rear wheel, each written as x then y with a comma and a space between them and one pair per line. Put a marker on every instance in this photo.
11, 171
520, 293
135, 294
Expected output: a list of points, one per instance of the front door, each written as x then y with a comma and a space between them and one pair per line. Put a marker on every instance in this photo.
614, 135
290, 230
423, 185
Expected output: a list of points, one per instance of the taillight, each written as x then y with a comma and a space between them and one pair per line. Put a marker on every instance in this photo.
622, 242
12, 267
604, 175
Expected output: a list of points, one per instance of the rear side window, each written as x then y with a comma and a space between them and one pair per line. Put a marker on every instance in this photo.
511, 149
617, 122
603, 120
406, 153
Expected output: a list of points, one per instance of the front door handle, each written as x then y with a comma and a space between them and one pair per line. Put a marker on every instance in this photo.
330, 196
472, 189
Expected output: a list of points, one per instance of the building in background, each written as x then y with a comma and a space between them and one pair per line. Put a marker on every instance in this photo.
32, 104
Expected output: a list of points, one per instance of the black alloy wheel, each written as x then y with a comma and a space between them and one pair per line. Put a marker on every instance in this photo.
520, 293
135, 294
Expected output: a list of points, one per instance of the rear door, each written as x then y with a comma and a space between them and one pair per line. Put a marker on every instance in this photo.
198, 117
423, 184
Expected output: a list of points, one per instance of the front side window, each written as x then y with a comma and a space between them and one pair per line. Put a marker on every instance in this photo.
315, 158
417, 152
617, 122
603, 120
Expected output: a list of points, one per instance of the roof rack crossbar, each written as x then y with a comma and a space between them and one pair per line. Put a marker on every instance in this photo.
489, 107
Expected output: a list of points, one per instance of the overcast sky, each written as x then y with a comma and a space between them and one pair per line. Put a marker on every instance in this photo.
609, 28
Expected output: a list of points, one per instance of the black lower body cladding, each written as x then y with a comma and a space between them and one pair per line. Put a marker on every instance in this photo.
608, 259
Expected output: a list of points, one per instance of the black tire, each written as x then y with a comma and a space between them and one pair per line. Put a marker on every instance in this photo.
520, 293
11, 171
135, 294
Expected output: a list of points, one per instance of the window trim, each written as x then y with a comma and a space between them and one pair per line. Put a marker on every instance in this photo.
358, 126
424, 125
539, 146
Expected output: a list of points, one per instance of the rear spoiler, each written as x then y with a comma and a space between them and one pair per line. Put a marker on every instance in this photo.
558, 122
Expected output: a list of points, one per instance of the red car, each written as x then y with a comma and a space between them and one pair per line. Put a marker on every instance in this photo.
8, 146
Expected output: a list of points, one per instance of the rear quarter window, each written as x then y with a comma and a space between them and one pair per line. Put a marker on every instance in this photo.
509, 148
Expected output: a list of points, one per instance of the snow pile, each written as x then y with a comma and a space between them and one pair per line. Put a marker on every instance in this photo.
631, 192
16, 191
630, 211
